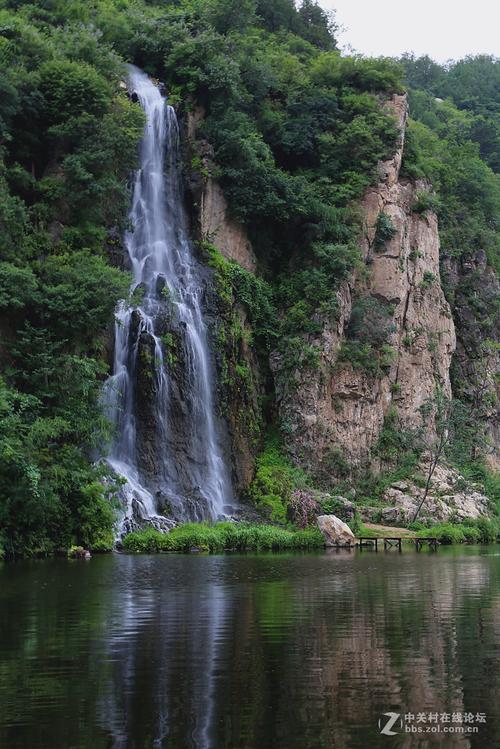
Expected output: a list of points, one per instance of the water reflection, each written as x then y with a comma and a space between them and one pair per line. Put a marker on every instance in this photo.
247, 652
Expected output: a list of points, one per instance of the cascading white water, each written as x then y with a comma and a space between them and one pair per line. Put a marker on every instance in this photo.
168, 444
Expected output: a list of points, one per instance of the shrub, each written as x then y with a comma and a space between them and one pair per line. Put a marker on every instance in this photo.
361, 356
426, 201
481, 530
428, 280
488, 529
275, 480
303, 507
384, 230
472, 535
445, 533
356, 525
370, 321
76, 552
331, 505
364, 356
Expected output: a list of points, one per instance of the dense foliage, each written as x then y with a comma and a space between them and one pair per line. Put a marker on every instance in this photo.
68, 138
454, 141
296, 132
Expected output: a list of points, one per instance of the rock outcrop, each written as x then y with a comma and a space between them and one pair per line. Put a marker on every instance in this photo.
214, 223
335, 531
450, 498
335, 413
218, 227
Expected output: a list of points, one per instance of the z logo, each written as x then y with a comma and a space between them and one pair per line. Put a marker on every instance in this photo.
386, 730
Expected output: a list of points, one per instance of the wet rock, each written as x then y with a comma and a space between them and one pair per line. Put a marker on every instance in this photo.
161, 283
140, 289
148, 448
335, 531
116, 250
78, 552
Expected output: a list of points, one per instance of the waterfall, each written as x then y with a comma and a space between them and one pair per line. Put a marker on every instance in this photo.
169, 441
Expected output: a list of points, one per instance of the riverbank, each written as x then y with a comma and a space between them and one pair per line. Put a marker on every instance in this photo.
226, 536
245, 537
478, 531
223, 537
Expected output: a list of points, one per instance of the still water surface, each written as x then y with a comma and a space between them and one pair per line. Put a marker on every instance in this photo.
288, 651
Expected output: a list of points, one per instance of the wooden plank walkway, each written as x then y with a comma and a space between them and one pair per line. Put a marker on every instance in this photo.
396, 541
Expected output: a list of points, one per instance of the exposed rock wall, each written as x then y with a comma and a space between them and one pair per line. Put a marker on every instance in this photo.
227, 235
333, 414
211, 210
239, 376
337, 409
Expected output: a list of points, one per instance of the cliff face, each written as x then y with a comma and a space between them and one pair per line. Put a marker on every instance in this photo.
227, 235
332, 413
239, 373
337, 410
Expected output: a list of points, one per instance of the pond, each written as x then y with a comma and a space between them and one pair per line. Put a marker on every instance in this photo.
254, 651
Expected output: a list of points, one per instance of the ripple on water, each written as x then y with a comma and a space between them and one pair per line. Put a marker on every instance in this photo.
244, 651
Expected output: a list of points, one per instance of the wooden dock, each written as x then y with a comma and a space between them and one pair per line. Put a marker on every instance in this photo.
396, 542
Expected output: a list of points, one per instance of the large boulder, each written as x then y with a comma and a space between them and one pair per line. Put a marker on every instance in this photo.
335, 531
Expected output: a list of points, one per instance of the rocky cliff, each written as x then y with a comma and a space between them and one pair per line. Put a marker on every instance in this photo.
335, 413
392, 344
239, 373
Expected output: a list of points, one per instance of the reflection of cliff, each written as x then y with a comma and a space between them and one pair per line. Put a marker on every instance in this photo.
395, 645
247, 652
314, 649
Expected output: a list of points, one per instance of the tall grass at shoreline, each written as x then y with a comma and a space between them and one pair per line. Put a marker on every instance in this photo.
222, 537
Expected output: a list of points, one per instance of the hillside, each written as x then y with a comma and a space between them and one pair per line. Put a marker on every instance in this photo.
346, 211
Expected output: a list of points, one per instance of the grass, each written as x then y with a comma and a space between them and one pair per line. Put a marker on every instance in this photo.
480, 531
222, 537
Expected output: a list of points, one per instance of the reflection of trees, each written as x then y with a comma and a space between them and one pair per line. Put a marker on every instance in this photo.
249, 651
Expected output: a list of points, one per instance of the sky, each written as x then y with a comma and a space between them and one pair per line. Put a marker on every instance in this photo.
443, 29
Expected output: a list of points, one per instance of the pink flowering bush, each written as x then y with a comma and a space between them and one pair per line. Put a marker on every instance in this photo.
303, 507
